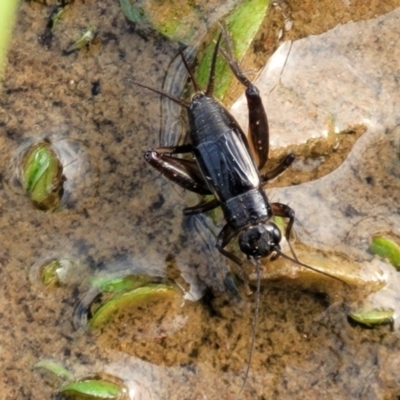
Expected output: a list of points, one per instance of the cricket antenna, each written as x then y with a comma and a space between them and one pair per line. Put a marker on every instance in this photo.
211, 80
294, 260
176, 100
254, 328
189, 70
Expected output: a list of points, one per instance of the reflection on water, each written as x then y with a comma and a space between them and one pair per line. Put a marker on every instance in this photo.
345, 77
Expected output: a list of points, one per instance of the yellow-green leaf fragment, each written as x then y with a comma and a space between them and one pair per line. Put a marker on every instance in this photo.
177, 20
372, 317
86, 38
37, 163
42, 177
244, 22
119, 284
49, 273
55, 369
242, 25
386, 248
92, 389
55, 272
184, 21
8, 10
56, 17
128, 299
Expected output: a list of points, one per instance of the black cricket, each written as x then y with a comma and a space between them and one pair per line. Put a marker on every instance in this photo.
223, 166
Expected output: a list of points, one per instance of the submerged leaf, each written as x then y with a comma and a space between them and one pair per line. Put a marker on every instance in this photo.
56, 16
54, 368
86, 38
133, 11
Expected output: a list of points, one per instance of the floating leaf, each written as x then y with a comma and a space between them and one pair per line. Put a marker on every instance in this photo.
386, 248
138, 296
49, 274
54, 272
372, 317
42, 176
119, 284
92, 389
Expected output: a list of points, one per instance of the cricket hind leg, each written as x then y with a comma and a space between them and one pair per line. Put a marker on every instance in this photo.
202, 207
258, 122
285, 163
184, 173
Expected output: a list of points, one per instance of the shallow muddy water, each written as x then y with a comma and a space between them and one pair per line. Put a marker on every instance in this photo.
121, 217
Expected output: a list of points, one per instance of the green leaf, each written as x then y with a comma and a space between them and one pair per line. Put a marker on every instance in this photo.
386, 248
49, 273
119, 284
8, 10
84, 40
175, 19
242, 25
42, 177
133, 298
372, 317
92, 389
